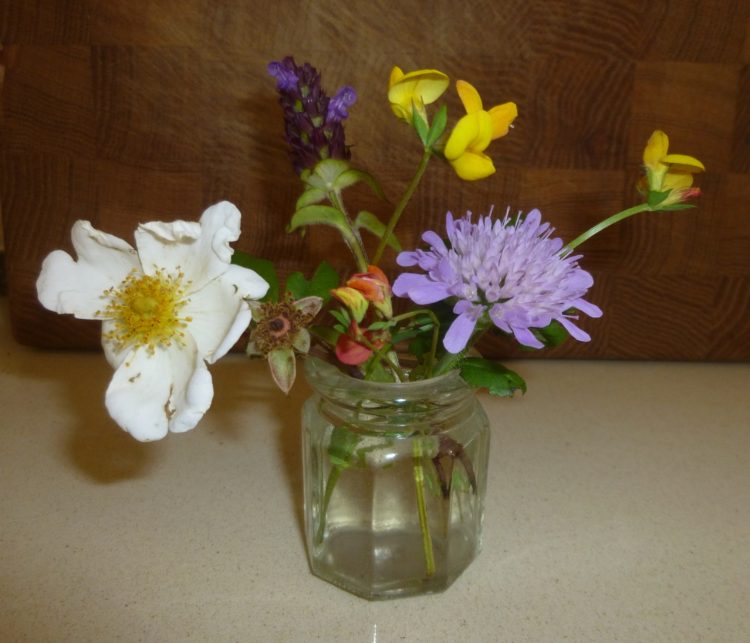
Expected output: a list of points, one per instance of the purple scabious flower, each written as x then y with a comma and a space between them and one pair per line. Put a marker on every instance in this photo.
513, 272
312, 121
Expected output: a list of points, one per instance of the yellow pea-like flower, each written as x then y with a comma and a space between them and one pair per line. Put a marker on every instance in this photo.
474, 132
414, 90
673, 172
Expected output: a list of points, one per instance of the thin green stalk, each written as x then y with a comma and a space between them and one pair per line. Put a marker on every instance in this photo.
429, 555
435, 332
333, 478
615, 218
354, 242
402, 205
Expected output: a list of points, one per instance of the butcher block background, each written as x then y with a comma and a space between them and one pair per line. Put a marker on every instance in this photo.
121, 112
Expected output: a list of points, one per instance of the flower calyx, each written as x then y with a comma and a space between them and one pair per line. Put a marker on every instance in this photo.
279, 332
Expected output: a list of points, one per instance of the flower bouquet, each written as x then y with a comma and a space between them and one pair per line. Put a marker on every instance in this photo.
394, 442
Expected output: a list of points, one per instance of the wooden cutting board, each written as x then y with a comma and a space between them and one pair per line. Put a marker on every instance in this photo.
121, 112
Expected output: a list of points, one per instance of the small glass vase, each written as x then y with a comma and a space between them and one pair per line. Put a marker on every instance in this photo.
395, 478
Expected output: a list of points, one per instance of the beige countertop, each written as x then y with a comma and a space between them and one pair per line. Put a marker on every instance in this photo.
618, 508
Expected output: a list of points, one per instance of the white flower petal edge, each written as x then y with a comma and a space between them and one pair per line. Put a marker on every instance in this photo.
75, 287
200, 250
152, 394
220, 314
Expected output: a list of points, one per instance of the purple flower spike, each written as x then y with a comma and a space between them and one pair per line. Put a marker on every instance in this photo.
511, 273
338, 107
312, 121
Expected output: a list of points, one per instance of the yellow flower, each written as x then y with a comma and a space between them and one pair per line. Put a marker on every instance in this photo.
415, 90
669, 172
473, 133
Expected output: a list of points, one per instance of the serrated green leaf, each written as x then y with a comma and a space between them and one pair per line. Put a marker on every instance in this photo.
264, 268
496, 378
296, 285
324, 279
311, 196
368, 221
438, 126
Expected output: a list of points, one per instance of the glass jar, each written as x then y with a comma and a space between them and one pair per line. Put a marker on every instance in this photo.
395, 477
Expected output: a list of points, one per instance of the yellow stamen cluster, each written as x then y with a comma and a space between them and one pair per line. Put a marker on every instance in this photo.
146, 310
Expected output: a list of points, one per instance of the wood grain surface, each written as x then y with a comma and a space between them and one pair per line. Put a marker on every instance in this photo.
120, 112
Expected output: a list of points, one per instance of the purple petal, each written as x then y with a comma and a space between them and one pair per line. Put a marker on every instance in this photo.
407, 258
419, 288
406, 281
459, 333
433, 238
587, 307
286, 79
338, 106
574, 331
429, 294
526, 337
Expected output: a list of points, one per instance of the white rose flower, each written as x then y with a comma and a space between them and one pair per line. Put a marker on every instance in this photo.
167, 308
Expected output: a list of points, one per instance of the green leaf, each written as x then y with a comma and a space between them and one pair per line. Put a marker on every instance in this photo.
341, 447
372, 182
264, 268
318, 214
498, 380
438, 126
324, 279
296, 285
380, 325
341, 315
310, 196
420, 125
368, 221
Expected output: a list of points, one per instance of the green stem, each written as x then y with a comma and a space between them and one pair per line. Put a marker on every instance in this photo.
402, 205
353, 239
429, 555
333, 478
615, 218
435, 332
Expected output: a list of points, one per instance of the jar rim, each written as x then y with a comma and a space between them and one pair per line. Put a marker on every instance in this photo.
326, 378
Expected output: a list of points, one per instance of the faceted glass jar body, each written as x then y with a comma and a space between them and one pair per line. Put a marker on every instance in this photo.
395, 477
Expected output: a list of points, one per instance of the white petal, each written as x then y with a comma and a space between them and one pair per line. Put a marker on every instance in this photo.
152, 394
191, 401
248, 282
139, 392
73, 286
219, 316
200, 250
